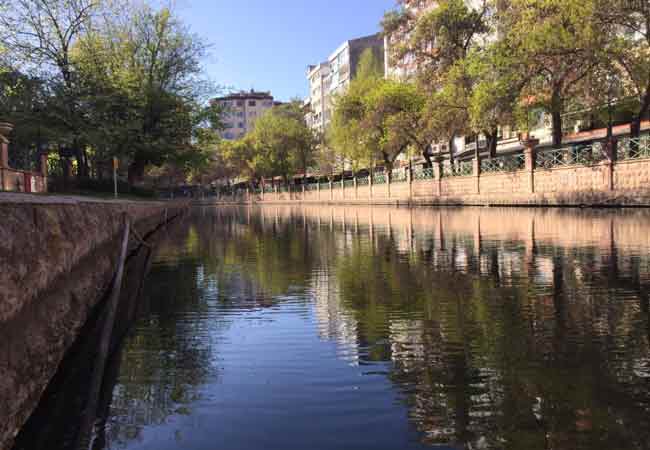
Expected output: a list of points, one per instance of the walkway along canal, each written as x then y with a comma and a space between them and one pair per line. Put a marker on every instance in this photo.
360, 327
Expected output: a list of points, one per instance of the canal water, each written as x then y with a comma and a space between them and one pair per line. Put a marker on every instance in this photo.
378, 328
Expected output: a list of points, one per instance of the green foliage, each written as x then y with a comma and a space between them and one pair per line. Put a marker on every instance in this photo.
281, 144
117, 79
371, 66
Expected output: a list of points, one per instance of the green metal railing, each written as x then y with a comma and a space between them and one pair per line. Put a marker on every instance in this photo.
379, 178
576, 155
459, 169
634, 148
505, 163
423, 174
398, 176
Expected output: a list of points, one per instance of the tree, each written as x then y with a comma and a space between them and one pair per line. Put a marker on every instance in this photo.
498, 80
119, 79
346, 134
39, 35
280, 144
627, 28
559, 45
434, 45
299, 137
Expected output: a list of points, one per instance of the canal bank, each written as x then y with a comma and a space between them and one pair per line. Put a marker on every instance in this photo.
58, 258
593, 175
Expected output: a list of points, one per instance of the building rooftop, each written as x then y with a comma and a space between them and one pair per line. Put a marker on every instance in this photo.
246, 95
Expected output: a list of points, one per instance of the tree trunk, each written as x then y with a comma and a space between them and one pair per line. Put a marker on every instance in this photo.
492, 140
556, 115
427, 155
388, 165
451, 148
136, 171
635, 126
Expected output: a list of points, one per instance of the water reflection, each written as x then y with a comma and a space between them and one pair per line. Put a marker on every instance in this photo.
359, 327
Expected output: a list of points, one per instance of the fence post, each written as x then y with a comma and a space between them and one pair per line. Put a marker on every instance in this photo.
530, 155
389, 175
263, 188
356, 191
409, 180
43, 167
5, 129
343, 184
611, 152
370, 176
437, 174
476, 170
331, 190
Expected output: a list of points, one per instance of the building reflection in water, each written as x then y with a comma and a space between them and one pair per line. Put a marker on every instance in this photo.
499, 328
516, 328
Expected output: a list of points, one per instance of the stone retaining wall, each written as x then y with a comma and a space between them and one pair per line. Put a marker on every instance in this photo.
57, 262
624, 183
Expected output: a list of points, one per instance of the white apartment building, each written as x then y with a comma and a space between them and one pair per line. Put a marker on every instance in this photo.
334, 75
241, 110
319, 112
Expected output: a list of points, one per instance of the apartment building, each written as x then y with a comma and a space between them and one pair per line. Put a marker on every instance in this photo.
333, 76
241, 110
319, 108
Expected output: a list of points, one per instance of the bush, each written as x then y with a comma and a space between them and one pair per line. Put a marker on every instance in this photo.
90, 185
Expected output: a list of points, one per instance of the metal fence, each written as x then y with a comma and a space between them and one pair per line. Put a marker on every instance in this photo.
576, 155
398, 176
425, 173
505, 163
459, 169
379, 178
634, 148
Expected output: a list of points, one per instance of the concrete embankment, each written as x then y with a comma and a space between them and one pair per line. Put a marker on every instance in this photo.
604, 183
58, 257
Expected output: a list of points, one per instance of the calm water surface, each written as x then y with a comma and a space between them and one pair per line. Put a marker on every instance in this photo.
378, 328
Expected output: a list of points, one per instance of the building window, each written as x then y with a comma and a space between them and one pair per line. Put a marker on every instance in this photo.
228, 135
241, 124
252, 103
240, 114
240, 103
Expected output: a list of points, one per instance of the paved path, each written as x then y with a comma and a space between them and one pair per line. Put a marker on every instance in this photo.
14, 197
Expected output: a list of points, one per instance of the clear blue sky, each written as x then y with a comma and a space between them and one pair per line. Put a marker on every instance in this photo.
267, 44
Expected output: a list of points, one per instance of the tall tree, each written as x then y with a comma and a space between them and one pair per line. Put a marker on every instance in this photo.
627, 27
39, 36
433, 43
559, 45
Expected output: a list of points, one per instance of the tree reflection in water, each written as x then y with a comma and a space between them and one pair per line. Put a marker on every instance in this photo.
524, 337
500, 328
